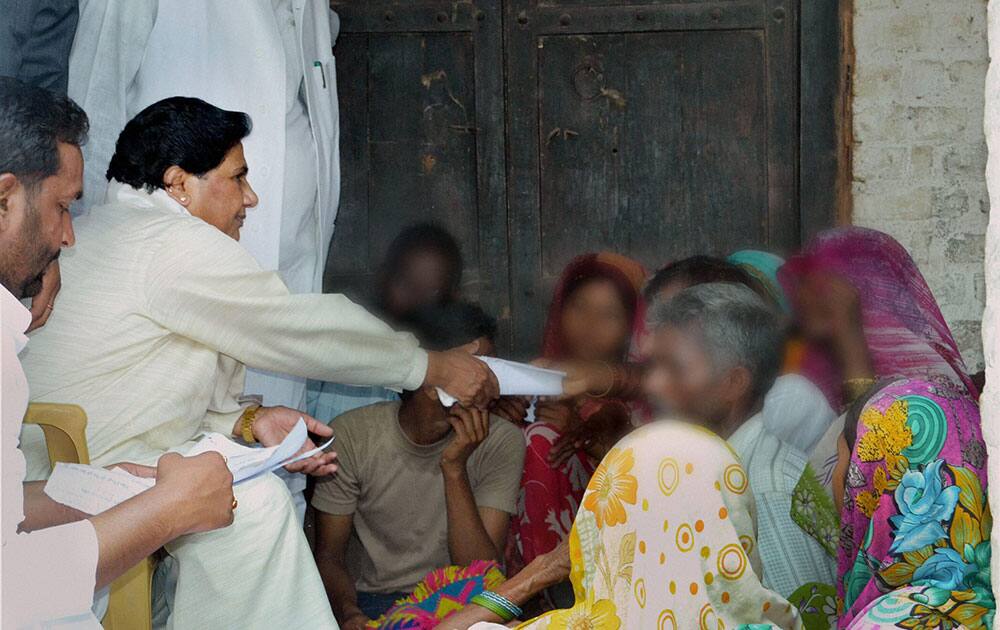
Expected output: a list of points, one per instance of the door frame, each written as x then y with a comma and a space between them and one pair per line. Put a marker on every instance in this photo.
825, 156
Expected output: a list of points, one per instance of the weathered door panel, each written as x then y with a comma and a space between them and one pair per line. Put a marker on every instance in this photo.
540, 129
421, 140
657, 131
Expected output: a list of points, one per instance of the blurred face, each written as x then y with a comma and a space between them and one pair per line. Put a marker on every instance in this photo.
682, 379
220, 197
421, 280
35, 223
595, 324
827, 307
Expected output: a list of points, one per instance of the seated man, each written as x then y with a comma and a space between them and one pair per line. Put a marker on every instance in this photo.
55, 557
716, 352
795, 410
161, 311
419, 487
422, 267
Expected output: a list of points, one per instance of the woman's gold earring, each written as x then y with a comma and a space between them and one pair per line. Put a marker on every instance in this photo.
184, 199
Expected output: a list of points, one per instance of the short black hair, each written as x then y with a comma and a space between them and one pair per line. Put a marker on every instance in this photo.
423, 237
32, 123
177, 131
445, 326
699, 269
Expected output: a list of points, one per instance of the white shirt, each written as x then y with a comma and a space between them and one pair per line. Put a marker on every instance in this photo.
298, 259
48, 575
790, 556
797, 412
160, 312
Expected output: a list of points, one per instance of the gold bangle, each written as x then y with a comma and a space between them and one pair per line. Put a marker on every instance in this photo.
611, 386
246, 423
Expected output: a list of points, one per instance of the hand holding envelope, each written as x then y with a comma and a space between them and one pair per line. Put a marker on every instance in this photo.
518, 379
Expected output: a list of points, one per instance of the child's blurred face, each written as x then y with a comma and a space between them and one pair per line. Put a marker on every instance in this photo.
422, 280
595, 323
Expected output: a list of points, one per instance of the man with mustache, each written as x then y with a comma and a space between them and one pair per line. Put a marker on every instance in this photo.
54, 557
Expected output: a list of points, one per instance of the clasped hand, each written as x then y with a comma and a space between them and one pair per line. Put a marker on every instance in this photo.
471, 427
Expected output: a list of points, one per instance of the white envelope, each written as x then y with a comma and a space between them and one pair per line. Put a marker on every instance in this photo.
517, 379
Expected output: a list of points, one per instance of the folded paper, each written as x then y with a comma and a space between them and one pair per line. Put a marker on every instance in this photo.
517, 379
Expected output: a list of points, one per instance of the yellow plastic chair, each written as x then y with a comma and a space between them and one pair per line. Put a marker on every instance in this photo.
130, 606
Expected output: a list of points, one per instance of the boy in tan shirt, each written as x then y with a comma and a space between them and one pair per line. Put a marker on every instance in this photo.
420, 486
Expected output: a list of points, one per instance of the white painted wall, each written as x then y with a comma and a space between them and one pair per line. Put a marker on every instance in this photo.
990, 401
920, 150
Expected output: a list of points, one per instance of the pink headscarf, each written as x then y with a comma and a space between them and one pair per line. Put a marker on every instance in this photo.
904, 329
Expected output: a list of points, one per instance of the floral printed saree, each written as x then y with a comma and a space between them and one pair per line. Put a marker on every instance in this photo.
915, 532
665, 538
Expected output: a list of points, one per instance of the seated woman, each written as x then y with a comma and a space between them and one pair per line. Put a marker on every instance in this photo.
865, 313
716, 350
864, 307
595, 310
161, 310
664, 538
912, 480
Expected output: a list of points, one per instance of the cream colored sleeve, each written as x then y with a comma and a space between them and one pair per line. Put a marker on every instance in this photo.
203, 285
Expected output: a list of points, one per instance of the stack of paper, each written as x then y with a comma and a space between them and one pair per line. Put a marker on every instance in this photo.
517, 379
92, 490
246, 462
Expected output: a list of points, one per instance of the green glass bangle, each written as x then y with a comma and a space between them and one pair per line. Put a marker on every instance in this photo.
513, 609
492, 606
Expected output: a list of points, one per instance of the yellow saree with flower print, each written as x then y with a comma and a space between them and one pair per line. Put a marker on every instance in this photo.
665, 539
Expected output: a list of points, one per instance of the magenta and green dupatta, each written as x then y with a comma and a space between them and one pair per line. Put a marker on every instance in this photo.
915, 525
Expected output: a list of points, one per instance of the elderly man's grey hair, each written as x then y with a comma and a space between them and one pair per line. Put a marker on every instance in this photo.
735, 327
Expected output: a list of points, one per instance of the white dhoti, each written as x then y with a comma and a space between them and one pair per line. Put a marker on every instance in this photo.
256, 573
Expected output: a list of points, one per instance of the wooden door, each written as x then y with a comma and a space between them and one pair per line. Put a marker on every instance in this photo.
657, 131
541, 129
421, 138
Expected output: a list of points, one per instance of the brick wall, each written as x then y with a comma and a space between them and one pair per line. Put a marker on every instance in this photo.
920, 151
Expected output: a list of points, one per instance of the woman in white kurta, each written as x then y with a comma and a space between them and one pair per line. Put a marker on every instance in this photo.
160, 311
272, 59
